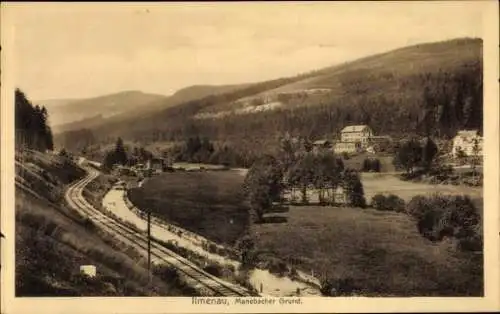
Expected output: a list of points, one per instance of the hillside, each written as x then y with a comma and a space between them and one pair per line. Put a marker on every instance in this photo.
64, 114
53, 240
54, 103
200, 91
98, 118
412, 90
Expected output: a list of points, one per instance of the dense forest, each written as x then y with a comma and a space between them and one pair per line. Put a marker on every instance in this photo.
426, 90
31, 123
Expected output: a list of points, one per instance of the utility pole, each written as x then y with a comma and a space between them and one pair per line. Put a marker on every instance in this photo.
149, 247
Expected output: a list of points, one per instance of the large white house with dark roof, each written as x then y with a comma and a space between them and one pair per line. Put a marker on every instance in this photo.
356, 134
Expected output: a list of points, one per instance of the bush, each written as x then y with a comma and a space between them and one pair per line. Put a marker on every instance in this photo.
277, 267
395, 203
378, 201
214, 269
166, 273
371, 165
447, 216
338, 287
212, 248
441, 172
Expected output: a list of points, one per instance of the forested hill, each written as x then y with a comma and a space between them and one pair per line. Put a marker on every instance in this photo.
428, 88
32, 129
64, 116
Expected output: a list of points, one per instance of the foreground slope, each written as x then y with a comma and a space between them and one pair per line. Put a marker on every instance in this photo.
52, 240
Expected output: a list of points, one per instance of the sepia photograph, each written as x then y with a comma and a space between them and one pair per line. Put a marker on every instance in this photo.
243, 154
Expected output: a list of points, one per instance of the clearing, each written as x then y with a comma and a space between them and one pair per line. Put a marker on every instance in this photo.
209, 203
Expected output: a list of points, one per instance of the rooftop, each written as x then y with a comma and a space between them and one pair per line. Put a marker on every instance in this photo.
321, 142
354, 128
467, 133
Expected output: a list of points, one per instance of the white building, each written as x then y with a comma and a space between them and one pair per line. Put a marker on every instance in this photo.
465, 141
347, 147
356, 133
88, 270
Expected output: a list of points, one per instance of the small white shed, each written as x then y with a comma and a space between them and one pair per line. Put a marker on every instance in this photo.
89, 270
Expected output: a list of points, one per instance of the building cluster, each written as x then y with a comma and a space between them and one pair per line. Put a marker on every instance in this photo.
153, 166
355, 139
361, 138
467, 143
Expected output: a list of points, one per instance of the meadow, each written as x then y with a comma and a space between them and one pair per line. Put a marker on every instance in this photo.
374, 183
209, 203
382, 253
390, 183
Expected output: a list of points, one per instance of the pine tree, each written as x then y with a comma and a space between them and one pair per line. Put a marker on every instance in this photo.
354, 188
429, 152
31, 123
120, 155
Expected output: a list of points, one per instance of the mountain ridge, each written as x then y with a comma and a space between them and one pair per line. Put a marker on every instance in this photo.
409, 82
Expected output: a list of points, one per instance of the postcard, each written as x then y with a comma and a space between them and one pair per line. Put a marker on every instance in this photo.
250, 157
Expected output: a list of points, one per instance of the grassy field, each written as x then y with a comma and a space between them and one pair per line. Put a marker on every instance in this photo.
382, 252
208, 203
374, 183
385, 183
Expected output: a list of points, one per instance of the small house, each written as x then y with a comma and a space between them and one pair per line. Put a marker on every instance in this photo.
88, 270
156, 165
468, 142
321, 145
340, 195
379, 144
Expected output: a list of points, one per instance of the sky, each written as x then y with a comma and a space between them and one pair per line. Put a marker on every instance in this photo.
86, 50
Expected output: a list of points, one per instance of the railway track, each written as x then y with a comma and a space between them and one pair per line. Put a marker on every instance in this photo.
160, 254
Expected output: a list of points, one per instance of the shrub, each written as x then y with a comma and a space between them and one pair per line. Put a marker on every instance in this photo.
166, 273
338, 287
474, 242
212, 248
378, 201
371, 165
277, 267
441, 172
446, 216
395, 203
214, 269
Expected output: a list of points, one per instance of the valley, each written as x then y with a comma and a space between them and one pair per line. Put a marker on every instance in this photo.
359, 179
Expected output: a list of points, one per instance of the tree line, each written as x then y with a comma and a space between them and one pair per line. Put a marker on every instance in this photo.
435, 98
203, 150
445, 104
289, 171
123, 155
32, 125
